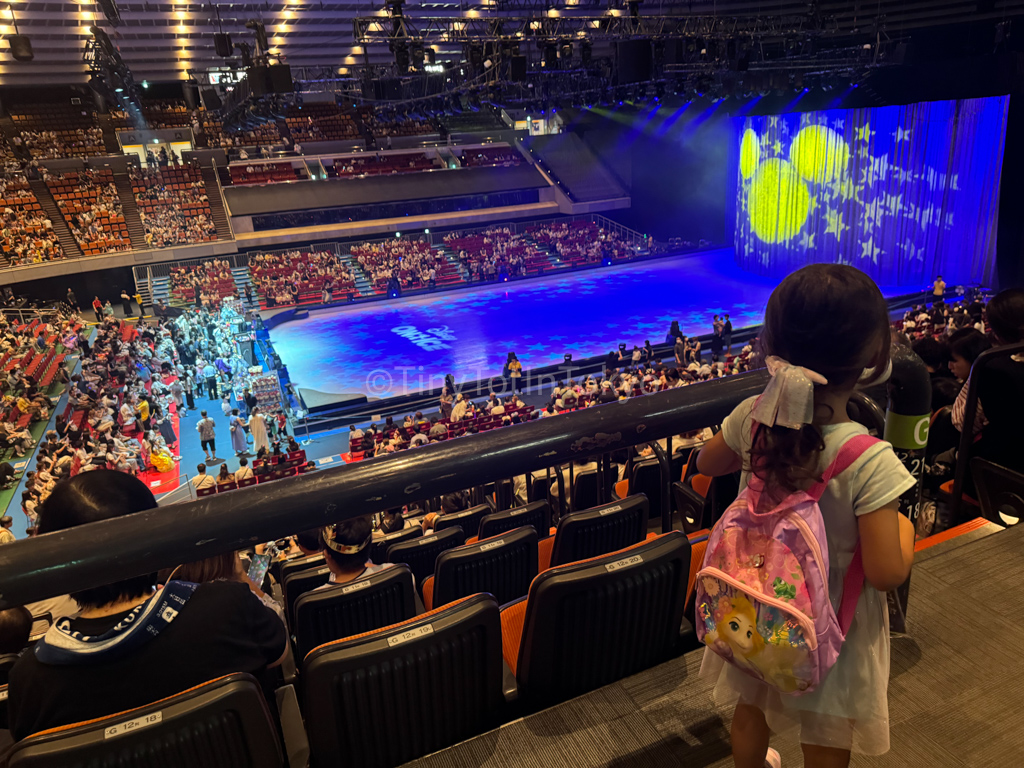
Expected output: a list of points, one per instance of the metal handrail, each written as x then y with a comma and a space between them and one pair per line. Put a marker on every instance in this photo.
107, 551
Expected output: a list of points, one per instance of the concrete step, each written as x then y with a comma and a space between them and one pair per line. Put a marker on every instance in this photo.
53, 213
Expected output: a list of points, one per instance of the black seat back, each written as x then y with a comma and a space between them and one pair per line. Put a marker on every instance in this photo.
383, 598
503, 565
595, 531
224, 723
421, 554
647, 480
299, 582
467, 519
588, 624
536, 514
288, 567
7, 661
585, 490
379, 547
388, 697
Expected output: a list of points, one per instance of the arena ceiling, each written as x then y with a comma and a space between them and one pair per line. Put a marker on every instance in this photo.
163, 40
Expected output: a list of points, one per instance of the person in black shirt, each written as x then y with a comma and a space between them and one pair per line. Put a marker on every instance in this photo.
727, 334
132, 643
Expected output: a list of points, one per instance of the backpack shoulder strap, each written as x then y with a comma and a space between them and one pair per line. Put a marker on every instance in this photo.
848, 453
853, 584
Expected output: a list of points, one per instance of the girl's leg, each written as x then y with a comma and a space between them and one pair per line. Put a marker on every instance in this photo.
750, 736
825, 757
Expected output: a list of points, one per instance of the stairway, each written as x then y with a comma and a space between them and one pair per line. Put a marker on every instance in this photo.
136, 230
453, 258
552, 255
242, 278
109, 136
363, 285
60, 226
143, 288
160, 288
217, 209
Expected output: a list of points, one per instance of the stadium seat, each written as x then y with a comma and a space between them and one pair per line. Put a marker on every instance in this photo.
224, 723
592, 532
467, 519
536, 514
421, 554
200, 492
248, 481
589, 623
297, 583
389, 696
6, 663
1000, 492
383, 598
379, 547
586, 490
503, 565
289, 567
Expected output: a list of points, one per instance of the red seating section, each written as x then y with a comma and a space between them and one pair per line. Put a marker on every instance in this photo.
384, 164
25, 239
174, 205
262, 172
320, 122
490, 156
271, 273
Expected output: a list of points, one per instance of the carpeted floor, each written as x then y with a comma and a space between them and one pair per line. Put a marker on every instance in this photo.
953, 696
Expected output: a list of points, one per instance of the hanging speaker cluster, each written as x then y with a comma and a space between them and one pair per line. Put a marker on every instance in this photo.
222, 44
21, 47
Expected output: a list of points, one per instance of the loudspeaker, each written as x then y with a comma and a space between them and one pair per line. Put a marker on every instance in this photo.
257, 78
281, 78
222, 44
634, 59
211, 100
21, 47
518, 72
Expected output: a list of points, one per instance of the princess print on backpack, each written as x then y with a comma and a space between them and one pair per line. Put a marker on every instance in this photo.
790, 596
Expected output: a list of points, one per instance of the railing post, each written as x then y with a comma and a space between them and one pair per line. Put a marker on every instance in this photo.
666, 486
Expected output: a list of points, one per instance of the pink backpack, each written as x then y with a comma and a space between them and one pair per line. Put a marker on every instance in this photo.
762, 593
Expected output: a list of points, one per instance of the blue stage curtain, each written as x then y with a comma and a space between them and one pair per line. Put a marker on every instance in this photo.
904, 193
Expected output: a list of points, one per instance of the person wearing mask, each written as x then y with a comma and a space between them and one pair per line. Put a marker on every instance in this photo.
134, 642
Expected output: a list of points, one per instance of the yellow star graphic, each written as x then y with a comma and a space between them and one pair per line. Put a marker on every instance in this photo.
777, 147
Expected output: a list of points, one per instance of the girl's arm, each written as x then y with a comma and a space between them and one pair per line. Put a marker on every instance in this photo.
716, 458
887, 546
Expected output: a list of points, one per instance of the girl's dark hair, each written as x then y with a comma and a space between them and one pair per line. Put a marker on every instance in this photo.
968, 343
392, 521
90, 497
832, 319
220, 566
1006, 315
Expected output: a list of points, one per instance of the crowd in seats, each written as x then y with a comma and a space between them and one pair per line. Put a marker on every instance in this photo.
299, 277
173, 205
26, 233
320, 122
206, 284
384, 164
211, 131
480, 157
159, 114
48, 131
409, 263
495, 252
90, 204
263, 172
407, 127
31, 366
581, 242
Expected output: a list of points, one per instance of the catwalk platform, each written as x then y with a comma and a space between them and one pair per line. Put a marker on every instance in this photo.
406, 345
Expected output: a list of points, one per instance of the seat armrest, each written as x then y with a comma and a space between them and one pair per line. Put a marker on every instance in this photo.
296, 743
288, 670
509, 686
687, 637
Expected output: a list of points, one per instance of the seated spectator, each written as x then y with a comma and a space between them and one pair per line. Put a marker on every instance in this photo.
450, 502
964, 347
128, 647
936, 359
225, 475
15, 626
347, 551
392, 521
1001, 385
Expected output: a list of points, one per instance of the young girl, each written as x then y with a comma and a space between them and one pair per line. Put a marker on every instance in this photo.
826, 329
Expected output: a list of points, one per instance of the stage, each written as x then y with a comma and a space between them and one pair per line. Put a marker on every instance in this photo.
407, 345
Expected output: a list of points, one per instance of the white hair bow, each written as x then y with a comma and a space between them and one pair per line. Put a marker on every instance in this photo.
788, 400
